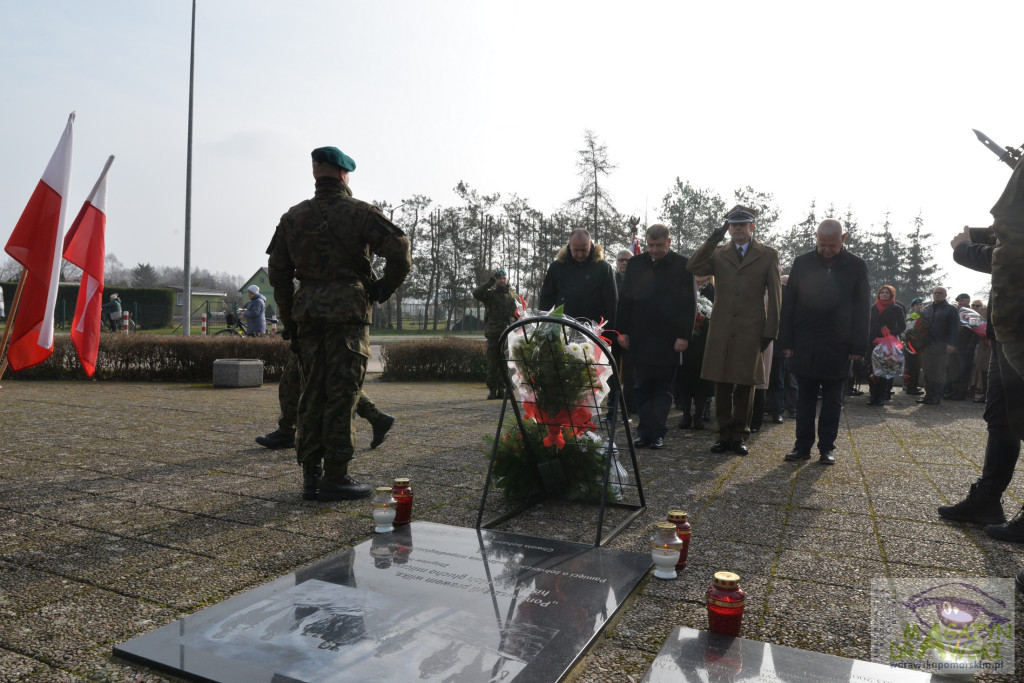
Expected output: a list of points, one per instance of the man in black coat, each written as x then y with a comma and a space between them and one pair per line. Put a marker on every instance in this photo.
657, 308
824, 326
943, 324
581, 281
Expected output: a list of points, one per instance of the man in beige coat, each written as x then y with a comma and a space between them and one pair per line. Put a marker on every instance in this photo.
744, 320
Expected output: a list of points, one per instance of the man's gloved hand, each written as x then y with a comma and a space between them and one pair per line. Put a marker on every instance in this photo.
718, 234
765, 341
291, 333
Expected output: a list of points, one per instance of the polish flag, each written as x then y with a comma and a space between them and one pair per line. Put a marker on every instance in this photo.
36, 243
85, 247
636, 246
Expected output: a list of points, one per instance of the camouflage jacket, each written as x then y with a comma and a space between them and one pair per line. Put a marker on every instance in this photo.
499, 307
1007, 298
326, 244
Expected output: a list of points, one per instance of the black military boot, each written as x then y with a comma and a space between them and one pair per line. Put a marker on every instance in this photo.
310, 481
493, 395
277, 439
342, 488
381, 427
1012, 531
977, 508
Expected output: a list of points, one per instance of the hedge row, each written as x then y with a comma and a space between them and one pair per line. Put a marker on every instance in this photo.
160, 358
451, 358
152, 307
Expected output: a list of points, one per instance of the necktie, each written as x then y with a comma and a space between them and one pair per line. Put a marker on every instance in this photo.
739, 252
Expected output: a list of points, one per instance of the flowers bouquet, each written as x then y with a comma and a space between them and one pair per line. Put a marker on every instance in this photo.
916, 334
887, 357
704, 306
970, 319
560, 379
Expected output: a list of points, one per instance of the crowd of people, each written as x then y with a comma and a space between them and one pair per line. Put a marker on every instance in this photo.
723, 326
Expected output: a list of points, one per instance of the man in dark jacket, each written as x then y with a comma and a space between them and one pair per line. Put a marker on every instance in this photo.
656, 313
943, 323
824, 327
580, 280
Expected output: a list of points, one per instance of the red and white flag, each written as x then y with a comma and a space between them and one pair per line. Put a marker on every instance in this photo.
636, 246
37, 243
85, 246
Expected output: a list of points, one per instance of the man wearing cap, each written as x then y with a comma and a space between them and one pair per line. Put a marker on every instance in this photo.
961, 364
112, 309
744, 320
499, 312
326, 244
255, 312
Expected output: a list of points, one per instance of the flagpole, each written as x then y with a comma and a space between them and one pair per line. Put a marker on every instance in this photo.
186, 312
10, 321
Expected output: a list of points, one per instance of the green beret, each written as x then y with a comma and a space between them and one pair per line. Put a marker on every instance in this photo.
333, 155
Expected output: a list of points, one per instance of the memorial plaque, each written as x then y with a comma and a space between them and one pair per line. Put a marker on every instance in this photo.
690, 656
425, 602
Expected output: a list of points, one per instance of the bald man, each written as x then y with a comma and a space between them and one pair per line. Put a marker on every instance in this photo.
825, 313
580, 280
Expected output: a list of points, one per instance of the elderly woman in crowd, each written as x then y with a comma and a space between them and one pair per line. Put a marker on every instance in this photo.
887, 317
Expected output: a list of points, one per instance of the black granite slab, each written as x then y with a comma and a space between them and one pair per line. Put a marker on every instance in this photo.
426, 602
690, 656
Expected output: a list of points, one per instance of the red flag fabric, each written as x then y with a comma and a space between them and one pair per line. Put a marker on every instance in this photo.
636, 246
85, 246
36, 244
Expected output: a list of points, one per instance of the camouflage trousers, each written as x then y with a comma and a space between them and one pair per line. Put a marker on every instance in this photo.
290, 388
495, 364
332, 359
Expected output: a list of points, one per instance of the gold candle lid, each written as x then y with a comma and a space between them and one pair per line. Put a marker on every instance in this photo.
677, 515
401, 481
666, 526
383, 489
727, 579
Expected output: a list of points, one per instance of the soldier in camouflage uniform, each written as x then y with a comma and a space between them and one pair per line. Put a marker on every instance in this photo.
499, 312
288, 392
326, 243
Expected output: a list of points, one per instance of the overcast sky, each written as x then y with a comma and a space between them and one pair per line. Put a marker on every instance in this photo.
867, 104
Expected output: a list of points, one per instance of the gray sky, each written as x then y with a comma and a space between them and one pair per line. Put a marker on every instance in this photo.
867, 104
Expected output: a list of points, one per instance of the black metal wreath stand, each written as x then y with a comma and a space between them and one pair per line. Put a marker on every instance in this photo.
570, 332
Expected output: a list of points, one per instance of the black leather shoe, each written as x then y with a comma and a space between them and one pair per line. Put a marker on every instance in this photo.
827, 458
755, 430
380, 429
342, 488
739, 448
276, 439
721, 446
656, 443
776, 419
797, 454
493, 395
640, 442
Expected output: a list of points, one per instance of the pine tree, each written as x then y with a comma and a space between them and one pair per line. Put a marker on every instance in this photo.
593, 203
920, 272
691, 214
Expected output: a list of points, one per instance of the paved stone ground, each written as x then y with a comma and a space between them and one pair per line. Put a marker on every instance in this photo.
125, 506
